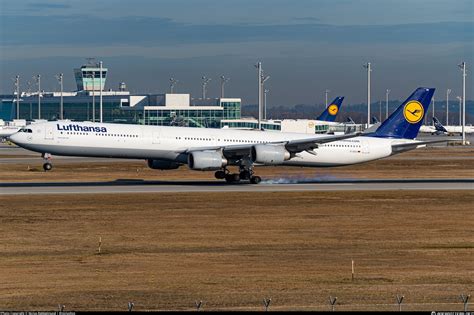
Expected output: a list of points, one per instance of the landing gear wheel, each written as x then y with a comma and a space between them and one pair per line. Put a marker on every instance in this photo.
255, 179
232, 178
245, 175
47, 166
219, 174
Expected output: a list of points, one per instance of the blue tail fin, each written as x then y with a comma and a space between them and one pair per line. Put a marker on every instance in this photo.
330, 113
438, 125
405, 122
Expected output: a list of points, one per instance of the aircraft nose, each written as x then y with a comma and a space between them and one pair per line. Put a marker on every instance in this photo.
15, 138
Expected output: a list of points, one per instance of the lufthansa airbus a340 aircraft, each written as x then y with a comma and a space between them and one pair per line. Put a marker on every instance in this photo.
216, 149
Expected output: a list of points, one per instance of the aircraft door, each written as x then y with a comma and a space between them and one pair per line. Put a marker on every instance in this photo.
364, 146
49, 132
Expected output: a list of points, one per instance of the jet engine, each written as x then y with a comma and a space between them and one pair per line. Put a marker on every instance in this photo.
162, 165
269, 154
206, 160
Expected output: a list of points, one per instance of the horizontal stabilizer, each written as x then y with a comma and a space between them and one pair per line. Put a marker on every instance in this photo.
402, 147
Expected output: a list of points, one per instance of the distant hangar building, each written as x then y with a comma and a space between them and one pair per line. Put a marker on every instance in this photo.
119, 106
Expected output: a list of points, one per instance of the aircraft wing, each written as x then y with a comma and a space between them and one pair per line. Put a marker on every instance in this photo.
402, 147
293, 146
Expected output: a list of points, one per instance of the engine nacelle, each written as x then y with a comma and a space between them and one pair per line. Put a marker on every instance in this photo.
269, 154
162, 165
206, 160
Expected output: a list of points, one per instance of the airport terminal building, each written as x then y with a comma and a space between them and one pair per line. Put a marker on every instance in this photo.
118, 106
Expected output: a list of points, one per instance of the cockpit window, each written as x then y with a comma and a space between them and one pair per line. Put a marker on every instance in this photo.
29, 130
25, 130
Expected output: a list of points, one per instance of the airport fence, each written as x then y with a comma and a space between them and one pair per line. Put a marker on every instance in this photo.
332, 305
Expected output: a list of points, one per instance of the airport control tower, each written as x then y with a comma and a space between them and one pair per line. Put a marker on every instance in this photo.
88, 76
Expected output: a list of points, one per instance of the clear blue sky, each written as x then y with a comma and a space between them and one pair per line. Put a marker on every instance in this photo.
306, 46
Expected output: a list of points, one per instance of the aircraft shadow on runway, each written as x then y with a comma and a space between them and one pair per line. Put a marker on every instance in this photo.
209, 183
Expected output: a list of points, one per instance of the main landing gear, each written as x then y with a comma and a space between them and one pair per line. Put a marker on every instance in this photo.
47, 166
245, 173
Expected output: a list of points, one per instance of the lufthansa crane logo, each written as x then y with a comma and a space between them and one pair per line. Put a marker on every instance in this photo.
413, 112
333, 109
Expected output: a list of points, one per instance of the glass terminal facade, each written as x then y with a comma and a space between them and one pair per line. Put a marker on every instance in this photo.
121, 107
78, 108
250, 124
118, 106
286, 125
205, 116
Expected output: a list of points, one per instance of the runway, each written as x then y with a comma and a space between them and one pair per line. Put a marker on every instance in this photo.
137, 186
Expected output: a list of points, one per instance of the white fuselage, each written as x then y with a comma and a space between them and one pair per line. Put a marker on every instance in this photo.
449, 129
458, 129
168, 143
427, 129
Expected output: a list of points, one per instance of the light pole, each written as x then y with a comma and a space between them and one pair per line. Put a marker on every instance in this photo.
38, 81
224, 80
448, 91
387, 92
205, 81
460, 106
369, 69
61, 104
28, 91
93, 96
433, 99
17, 88
261, 81
264, 109
173, 82
380, 110
259, 76
100, 92
462, 66
326, 92
265, 103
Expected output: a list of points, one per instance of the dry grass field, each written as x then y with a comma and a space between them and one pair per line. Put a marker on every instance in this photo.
435, 162
164, 251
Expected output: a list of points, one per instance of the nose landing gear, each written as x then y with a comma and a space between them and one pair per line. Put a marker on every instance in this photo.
47, 166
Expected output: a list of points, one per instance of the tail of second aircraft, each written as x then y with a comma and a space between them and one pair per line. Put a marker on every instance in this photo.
375, 120
331, 111
438, 125
406, 121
